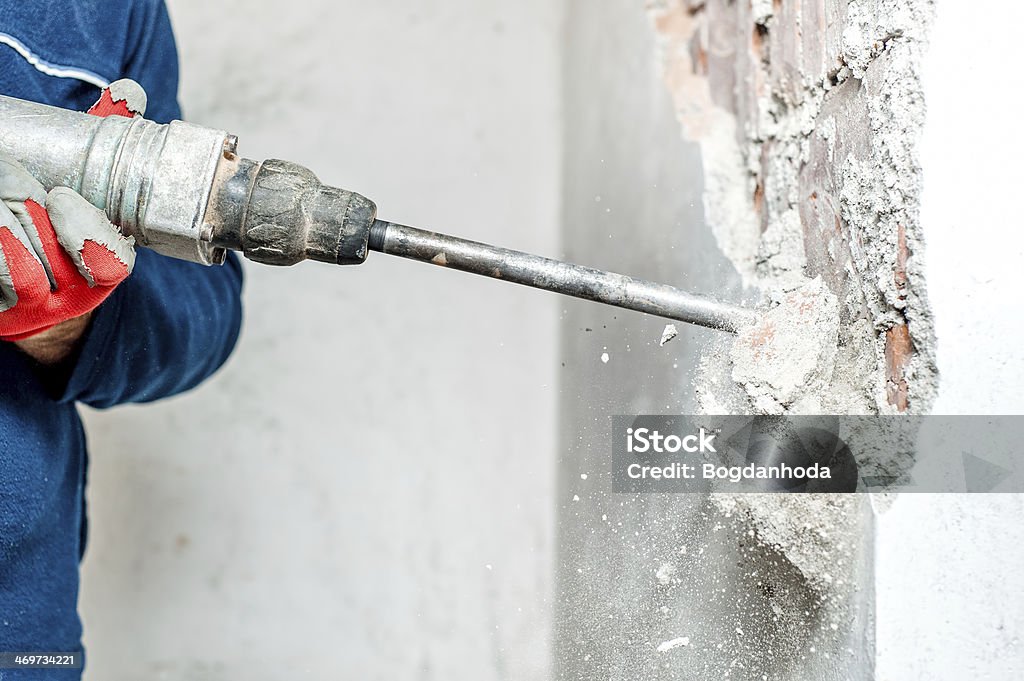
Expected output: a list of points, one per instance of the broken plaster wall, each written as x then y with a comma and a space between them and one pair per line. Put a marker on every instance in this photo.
820, 163
805, 118
675, 586
809, 114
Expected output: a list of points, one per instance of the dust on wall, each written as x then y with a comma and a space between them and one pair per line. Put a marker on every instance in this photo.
808, 115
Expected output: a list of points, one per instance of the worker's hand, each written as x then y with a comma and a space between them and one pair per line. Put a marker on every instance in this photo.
59, 255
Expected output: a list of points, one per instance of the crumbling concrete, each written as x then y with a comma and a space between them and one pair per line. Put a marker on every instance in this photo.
805, 117
808, 116
819, 177
677, 586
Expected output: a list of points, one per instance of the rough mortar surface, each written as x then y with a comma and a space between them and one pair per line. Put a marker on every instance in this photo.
808, 117
818, 177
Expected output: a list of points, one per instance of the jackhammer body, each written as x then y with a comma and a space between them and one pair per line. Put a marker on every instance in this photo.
183, 191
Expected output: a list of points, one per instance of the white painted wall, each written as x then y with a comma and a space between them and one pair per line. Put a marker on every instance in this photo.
971, 153
950, 570
365, 491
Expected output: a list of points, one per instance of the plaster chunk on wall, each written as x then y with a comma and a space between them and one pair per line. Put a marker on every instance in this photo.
791, 351
871, 24
781, 253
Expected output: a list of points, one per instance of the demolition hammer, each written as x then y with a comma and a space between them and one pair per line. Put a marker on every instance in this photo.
183, 191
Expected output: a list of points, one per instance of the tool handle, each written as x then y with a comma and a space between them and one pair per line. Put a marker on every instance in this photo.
181, 190
152, 180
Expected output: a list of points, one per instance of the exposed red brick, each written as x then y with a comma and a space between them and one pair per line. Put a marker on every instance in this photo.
898, 350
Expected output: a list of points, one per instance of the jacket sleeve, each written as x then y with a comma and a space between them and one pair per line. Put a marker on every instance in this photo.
172, 323
164, 330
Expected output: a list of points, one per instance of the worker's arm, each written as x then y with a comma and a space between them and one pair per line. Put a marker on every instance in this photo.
166, 328
59, 256
169, 324
65, 281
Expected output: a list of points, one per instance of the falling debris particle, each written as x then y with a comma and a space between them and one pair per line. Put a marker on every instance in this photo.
489, 566
665, 573
575, 497
666, 646
583, 476
668, 334
604, 357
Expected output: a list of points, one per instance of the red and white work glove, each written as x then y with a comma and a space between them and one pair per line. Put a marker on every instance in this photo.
59, 255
